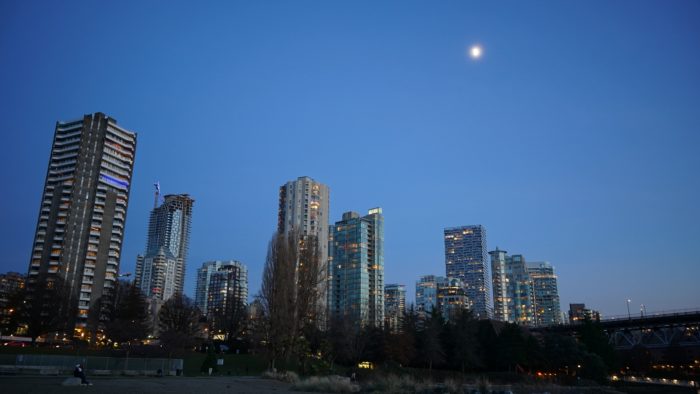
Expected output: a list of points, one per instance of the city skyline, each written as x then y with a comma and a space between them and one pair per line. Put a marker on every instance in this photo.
596, 135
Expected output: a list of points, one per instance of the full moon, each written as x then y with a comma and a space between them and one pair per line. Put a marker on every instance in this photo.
475, 51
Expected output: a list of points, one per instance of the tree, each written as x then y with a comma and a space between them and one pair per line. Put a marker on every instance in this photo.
230, 319
12, 312
463, 346
130, 320
178, 323
48, 308
290, 292
431, 346
595, 341
488, 343
511, 347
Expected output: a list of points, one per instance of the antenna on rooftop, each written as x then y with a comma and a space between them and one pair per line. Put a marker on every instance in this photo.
157, 194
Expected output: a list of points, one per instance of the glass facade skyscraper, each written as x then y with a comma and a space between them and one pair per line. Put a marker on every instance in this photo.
524, 293
227, 294
466, 258
546, 293
513, 293
204, 274
357, 273
452, 298
82, 215
427, 292
160, 273
394, 306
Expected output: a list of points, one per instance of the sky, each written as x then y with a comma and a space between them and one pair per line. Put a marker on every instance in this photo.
573, 140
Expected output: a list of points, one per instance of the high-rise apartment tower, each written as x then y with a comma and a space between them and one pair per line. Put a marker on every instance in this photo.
204, 274
513, 294
357, 273
304, 208
427, 292
227, 296
546, 293
160, 273
466, 258
394, 306
82, 215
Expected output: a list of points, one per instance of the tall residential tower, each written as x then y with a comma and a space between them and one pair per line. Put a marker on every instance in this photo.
303, 207
513, 294
82, 215
394, 306
160, 273
357, 273
204, 274
546, 293
466, 259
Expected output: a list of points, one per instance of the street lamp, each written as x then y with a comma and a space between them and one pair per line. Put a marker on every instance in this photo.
629, 315
642, 310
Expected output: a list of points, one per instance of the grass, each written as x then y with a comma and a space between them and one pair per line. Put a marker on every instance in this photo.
234, 364
326, 384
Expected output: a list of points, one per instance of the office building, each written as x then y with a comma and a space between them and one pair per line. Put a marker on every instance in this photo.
546, 293
160, 273
357, 284
304, 208
427, 292
466, 259
394, 306
204, 274
227, 296
82, 215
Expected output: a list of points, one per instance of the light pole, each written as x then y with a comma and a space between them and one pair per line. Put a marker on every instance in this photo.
629, 315
642, 310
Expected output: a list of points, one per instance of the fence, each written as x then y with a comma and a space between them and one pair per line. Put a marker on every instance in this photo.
94, 363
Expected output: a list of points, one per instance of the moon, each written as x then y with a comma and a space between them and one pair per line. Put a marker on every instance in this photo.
475, 51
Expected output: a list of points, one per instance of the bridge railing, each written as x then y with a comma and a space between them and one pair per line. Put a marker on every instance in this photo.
667, 313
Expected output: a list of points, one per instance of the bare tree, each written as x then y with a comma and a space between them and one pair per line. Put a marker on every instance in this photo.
290, 291
130, 320
48, 308
178, 323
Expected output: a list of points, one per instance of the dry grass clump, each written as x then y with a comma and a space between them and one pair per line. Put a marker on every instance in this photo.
327, 384
453, 386
394, 384
287, 376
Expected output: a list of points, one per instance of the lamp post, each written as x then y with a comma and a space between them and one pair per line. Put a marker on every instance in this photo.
642, 310
629, 315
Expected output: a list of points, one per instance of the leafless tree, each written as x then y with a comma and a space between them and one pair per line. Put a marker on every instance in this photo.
178, 323
290, 291
48, 308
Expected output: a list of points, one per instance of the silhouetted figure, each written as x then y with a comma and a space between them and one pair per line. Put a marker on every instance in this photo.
79, 372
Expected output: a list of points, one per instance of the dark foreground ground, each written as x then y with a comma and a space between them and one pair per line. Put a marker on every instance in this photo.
137, 385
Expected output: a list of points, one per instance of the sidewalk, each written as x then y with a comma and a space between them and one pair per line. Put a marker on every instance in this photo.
138, 385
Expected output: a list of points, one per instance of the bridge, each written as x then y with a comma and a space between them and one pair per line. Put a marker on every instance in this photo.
653, 330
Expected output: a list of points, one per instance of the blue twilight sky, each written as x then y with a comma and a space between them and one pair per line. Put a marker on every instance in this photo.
573, 140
